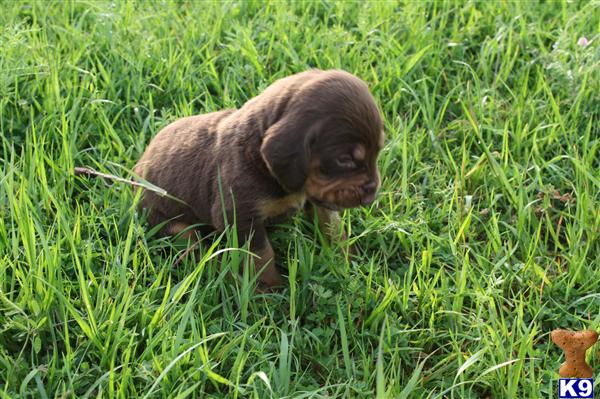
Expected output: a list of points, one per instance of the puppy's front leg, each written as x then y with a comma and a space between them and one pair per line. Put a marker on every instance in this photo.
249, 227
264, 265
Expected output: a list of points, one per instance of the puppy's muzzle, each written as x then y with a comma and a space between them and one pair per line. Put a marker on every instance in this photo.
369, 191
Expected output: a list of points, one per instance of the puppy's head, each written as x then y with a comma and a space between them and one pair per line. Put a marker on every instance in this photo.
326, 139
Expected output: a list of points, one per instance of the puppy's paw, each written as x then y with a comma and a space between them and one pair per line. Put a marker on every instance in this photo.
270, 280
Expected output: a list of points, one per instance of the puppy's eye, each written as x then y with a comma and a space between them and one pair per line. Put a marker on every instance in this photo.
345, 161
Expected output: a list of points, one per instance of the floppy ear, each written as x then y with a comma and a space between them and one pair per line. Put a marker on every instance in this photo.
286, 151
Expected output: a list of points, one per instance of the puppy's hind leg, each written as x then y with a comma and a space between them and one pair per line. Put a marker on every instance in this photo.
183, 230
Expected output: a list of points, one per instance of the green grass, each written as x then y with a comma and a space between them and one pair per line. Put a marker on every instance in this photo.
484, 238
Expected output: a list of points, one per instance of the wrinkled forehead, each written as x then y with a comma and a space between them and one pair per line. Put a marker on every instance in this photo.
358, 149
349, 133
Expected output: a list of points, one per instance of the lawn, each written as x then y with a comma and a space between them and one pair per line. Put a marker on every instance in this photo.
485, 235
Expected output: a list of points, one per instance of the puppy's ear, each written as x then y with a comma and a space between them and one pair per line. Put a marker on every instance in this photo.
286, 151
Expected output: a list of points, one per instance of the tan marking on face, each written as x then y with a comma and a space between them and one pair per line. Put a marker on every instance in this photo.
359, 152
270, 208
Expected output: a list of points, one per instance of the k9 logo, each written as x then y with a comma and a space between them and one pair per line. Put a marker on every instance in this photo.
575, 388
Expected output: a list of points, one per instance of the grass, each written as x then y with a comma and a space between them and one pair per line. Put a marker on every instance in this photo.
484, 238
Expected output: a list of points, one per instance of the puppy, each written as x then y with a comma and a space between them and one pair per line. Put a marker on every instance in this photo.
311, 137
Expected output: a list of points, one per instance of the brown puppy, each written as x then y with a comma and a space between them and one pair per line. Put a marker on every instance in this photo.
314, 137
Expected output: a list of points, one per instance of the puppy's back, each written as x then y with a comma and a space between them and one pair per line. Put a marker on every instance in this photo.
178, 160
